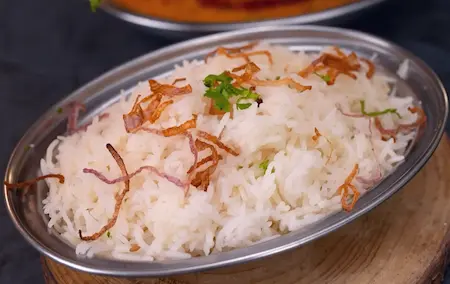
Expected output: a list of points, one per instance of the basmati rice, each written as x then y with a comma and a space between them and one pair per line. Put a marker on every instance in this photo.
244, 204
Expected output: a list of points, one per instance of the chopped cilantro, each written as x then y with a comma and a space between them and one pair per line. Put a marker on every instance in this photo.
220, 90
211, 79
95, 4
377, 113
325, 77
243, 106
246, 95
59, 110
264, 165
277, 78
108, 234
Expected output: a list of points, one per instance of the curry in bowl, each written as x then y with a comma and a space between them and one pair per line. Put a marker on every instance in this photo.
226, 11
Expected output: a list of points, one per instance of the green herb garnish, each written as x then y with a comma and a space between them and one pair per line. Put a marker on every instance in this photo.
246, 95
277, 78
243, 106
95, 4
220, 90
264, 165
27, 148
377, 113
325, 77
210, 80
59, 110
108, 234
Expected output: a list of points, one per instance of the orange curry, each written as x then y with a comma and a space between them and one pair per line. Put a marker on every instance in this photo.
209, 11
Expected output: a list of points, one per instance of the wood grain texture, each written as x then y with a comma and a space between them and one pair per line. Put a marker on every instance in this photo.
405, 240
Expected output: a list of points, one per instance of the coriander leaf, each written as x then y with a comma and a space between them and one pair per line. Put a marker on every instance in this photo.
211, 79
220, 90
243, 106
277, 78
222, 104
247, 94
108, 234
264, 164
95, 4
220, 101
59, 110
377, 113
233, 91
212, 94
325, 77
228, 92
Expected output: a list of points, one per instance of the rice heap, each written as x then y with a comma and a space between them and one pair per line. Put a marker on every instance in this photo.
254, 143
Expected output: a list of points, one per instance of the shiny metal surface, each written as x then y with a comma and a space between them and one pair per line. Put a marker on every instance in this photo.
26, 210
184, 29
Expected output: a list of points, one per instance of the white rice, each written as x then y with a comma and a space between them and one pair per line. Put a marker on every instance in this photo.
243, 205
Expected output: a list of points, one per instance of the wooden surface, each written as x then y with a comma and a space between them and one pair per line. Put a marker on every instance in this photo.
404, 240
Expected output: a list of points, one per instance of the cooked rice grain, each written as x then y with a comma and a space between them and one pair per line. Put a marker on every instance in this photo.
244, 203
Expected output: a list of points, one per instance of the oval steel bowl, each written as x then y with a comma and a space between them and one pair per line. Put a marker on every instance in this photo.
26, 209
175, 29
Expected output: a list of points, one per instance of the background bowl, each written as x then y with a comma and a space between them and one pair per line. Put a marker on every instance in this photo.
175, 29
26, 209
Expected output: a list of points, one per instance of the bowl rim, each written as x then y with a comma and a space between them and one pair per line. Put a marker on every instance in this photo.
252, 252
191, 27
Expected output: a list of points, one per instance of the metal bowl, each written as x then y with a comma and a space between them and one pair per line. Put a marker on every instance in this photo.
26, 209
184, 29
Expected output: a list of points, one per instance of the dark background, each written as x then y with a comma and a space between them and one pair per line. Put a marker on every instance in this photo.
48, 48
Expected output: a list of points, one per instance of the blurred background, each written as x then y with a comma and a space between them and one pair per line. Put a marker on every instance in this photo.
48, 48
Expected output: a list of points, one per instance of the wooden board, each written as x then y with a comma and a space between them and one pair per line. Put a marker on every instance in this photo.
404, 240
